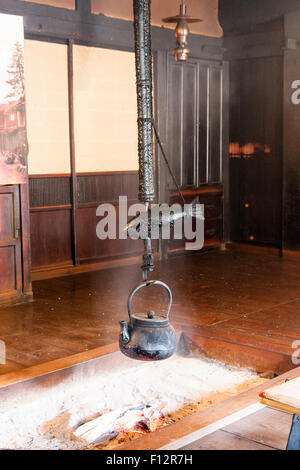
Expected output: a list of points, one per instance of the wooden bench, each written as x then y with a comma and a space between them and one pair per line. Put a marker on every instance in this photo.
286, 397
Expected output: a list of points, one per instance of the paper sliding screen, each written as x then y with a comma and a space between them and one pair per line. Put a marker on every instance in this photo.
46, 78
105, 110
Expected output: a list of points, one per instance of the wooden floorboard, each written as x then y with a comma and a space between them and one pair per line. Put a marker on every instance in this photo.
221, 440
266, 429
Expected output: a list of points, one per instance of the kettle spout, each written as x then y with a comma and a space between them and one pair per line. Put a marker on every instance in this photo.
124, 332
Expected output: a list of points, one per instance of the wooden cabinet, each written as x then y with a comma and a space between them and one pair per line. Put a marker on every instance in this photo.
197, 139
15, 278
212, 199
195, 122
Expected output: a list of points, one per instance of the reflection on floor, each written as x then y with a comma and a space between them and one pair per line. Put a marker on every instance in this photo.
241, 298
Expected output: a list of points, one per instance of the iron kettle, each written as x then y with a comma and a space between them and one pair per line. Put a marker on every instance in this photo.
147, 336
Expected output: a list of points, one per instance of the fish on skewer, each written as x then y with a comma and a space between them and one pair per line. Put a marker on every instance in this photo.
152, 223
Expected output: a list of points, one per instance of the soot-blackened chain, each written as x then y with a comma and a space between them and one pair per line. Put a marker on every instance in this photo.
143, 58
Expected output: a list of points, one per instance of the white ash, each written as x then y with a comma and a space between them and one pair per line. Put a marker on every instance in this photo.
45, 420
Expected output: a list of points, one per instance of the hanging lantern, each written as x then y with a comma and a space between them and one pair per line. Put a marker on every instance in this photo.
181, 32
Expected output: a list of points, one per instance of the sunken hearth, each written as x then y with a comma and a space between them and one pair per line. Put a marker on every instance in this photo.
112, 400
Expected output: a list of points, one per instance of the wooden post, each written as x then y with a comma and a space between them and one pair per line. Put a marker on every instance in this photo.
74, 187
83, 7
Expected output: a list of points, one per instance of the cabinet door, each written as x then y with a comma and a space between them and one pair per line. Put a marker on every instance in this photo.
10, 243
214, 157
182, 122
194, 139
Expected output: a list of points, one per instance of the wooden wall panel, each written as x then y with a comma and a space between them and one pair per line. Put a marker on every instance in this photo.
256, 173
107, 186
51, 237
96, 189
90, 248
51, 229
50, 191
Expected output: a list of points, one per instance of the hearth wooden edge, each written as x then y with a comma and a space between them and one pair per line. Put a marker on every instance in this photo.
192, 428
64, 366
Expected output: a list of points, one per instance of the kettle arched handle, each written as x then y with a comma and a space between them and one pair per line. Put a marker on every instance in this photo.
147, 284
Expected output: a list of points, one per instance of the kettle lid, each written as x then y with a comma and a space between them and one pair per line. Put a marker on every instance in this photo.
149, 319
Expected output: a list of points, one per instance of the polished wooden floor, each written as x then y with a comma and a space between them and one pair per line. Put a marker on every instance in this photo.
238, 306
